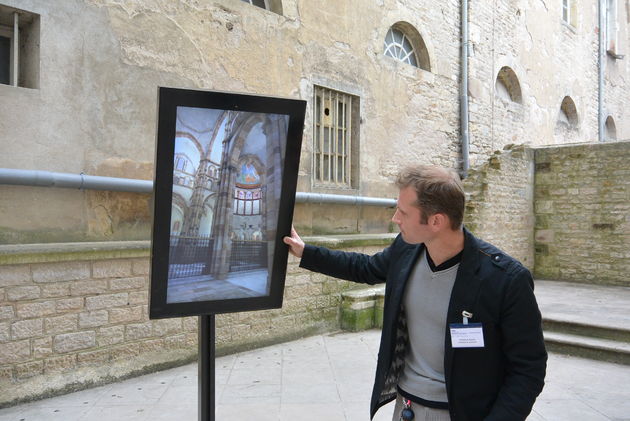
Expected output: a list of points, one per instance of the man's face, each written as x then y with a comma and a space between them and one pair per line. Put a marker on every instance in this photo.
407, 217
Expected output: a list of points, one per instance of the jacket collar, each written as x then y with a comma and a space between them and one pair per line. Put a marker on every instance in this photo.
470, 257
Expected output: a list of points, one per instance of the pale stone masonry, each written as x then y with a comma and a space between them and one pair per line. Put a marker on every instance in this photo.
68, 309
563, 211
582, 202
74, 315
499, 202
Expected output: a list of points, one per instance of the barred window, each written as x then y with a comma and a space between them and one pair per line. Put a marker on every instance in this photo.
336, 138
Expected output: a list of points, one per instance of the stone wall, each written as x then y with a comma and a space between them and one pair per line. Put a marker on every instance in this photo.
102, 61
499, 202
582, 198
94, 110
75, 315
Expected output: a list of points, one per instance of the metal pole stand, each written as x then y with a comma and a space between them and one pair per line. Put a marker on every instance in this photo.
206, 368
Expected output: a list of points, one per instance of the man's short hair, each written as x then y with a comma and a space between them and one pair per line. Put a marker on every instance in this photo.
439, 190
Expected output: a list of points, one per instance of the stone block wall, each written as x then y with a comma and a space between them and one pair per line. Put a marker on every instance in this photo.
76, 314
499, 202
582, 198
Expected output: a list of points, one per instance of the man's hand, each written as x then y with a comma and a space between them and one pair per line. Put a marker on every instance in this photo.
295, 243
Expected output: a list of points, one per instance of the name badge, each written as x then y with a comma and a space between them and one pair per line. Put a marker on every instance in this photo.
466, 335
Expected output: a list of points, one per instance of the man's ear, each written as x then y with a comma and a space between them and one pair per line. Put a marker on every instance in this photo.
438, 221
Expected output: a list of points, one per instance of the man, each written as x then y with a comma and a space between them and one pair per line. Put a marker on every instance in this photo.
462, 337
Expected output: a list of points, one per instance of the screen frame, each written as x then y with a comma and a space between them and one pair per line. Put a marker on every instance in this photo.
168, 101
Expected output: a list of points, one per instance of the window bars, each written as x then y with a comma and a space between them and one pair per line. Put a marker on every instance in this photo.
333, 137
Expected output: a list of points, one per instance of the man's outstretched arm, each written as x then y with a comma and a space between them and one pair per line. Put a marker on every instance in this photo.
356, 267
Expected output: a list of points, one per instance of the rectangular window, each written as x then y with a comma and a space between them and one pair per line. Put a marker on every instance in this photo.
5, 57
569, 12
611, 27
19, 47
565, 11
259, 3
271, 5
336, 124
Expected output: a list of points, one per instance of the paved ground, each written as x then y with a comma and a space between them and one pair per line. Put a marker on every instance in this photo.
250, 283
321, 378
329, 378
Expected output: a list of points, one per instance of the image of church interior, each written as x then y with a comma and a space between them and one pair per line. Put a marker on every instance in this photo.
227, 179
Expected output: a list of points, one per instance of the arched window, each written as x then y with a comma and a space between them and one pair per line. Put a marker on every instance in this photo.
183, 171
182, 163
568, 114
611, 129
507, 86
404, 43
398, 46
248, 191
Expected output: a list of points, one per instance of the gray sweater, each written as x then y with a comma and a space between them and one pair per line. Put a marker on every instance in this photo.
426, 304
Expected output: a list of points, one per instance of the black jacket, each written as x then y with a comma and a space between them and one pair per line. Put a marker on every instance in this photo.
498, 382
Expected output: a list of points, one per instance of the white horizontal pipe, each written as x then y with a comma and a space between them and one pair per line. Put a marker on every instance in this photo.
91, 182
339, 199
77, 181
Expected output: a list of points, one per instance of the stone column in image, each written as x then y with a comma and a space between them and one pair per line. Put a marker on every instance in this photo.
195, 209
223, 210
275, 130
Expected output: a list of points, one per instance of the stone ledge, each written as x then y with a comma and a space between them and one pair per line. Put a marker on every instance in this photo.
13, 254
351, 240
593, 144
64, 252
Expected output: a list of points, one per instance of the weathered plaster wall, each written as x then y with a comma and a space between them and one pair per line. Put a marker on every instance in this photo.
73, 315
102, 61
551, 60
499, 202
582, 196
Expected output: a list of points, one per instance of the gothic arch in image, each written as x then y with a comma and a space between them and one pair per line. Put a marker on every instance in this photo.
241, 148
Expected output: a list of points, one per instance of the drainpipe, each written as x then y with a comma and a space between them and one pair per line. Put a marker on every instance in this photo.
91, 182
463, 92
601, 62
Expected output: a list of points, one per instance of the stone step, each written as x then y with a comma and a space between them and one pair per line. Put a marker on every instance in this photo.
362, 308
610, 350
584, 319
594, 329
